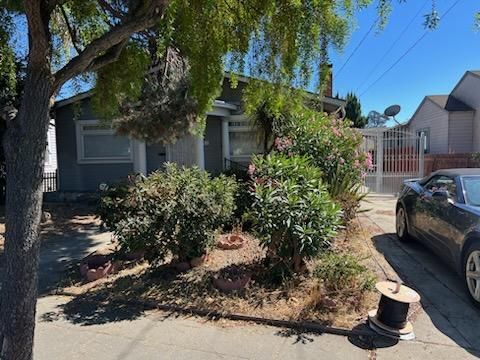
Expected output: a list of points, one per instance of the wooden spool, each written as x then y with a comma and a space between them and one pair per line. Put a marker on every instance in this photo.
390, 318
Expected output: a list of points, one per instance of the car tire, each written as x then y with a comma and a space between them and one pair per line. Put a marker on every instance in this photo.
471, 272
401, 225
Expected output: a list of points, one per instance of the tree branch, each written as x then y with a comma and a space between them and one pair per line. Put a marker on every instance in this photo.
106, 6
71, 31
110, 56
144, 17
37, 18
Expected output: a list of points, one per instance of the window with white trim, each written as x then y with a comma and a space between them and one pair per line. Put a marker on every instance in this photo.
97, 143
243, 141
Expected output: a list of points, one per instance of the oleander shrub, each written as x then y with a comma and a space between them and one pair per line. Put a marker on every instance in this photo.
172, 212
331, 145
243, 198
292, 211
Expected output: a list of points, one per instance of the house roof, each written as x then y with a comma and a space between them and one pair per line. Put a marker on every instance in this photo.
75, 98
449, 103
326, 99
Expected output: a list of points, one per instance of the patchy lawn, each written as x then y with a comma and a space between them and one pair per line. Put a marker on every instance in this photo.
301, 298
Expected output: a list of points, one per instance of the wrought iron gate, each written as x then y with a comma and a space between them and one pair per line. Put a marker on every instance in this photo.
397, 155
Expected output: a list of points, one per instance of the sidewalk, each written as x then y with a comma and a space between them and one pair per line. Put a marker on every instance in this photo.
157, 336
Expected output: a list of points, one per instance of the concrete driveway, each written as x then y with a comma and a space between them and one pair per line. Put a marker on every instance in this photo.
448, 325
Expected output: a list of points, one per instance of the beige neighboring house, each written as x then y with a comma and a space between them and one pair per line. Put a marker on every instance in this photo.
451, 123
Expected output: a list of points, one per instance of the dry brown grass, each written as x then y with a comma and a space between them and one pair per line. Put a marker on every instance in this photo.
300, 298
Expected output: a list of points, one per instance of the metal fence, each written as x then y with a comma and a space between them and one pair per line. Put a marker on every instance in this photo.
396, 154
50, 181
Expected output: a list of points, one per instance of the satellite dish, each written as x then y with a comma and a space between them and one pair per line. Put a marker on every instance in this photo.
392, 111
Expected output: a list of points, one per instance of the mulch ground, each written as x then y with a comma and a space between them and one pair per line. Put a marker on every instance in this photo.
300, 298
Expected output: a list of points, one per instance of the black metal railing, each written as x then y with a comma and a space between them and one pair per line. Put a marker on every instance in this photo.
234, 165
50, 181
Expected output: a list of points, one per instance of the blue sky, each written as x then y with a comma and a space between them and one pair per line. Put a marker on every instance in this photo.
434, 66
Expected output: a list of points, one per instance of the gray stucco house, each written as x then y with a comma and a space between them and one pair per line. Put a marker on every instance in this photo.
89, 154
451, 123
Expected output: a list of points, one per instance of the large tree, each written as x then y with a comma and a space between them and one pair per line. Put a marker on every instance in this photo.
280, 40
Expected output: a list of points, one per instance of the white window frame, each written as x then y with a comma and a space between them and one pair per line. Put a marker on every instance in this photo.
80, 132
243, 126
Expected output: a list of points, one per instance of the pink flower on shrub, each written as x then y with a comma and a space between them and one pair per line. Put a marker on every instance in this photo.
356, 163
336, 132
363, 174
342, 160
282, 144
368, 161
251, 169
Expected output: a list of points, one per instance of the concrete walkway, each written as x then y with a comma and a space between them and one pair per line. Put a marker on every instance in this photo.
155, 335
448, 325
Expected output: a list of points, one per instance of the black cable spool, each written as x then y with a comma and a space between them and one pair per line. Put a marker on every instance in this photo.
392, 313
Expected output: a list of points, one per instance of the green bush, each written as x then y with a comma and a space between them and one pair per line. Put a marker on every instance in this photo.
348, 193
333, 146
243, 197
172, 212
292, 211
339, 272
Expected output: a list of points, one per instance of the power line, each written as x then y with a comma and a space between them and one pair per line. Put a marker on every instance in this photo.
407, 51
357, 47
391, 46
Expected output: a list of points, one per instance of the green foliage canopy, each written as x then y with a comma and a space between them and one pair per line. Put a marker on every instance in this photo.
276, 40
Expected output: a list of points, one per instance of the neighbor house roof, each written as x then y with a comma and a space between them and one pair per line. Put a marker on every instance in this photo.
449, 103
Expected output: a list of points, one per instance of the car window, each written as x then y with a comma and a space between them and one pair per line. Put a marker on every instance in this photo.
442, 182
471, 189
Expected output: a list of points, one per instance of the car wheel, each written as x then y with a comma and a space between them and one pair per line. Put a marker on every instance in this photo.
401, 224
472, 272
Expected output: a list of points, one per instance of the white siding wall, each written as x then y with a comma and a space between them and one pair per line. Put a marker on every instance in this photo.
468, 91
51, 155
460, 132
432, 117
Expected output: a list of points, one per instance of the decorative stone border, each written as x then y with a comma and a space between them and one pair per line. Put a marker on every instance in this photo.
228, 285
231, 242
97, 266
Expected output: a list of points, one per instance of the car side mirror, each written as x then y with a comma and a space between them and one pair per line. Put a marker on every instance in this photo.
440, 195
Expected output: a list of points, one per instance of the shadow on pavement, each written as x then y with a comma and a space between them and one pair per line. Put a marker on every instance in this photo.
69, 235
94, 309
59, 255
444, 299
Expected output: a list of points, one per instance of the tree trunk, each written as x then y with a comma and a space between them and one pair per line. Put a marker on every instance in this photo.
25, 145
